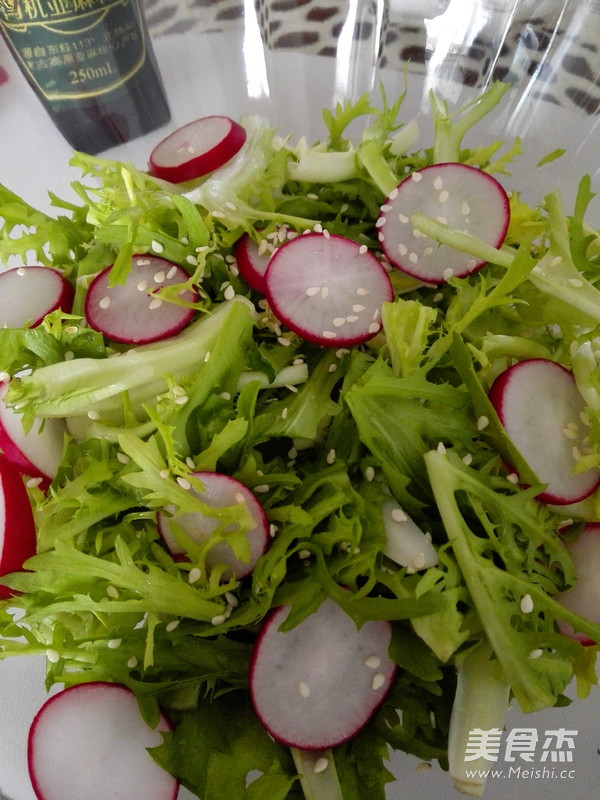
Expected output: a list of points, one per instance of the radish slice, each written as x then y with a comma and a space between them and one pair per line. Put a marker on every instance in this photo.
584, 596
406, 543
196, 149
38, 452
128, 312
220, 491
327, 289
90, 741
17, 528
27, 294
252, 258
460, 196
316, 685
542, 411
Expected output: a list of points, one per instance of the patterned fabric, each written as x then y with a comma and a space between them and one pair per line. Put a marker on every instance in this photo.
553, 44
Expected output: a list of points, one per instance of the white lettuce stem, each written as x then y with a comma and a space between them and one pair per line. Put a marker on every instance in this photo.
317, 773
481, 701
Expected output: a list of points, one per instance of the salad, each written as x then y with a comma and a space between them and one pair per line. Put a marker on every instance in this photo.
242, 491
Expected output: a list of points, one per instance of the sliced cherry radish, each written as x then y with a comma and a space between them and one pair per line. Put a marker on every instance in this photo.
37, 452
252, 257
584, 596
542, 411
460, 196
17, 528
327, 289
317, 684
130, 312
27, 294
90, 741
196, 149
219, 491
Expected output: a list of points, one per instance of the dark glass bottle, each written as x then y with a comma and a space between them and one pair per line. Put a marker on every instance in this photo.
91, 64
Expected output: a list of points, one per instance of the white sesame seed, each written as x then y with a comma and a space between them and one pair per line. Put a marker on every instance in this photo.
132, 663
332, 368
303, 554
403, 218
369, 473
339, 321
284, 413
231, 206
358, 308
441, 448
378, 681
328, 335
416, 176
442, 219
419, 561
482, 422
330, 458
363, 249
537, 653
155, 303
207, 357
159, 277
467, 459
218, 214
398, 515
318, 228
373, 662
393, 194
262, 488
21, 271
428, 251
380, 222
402, 249
273, 530
312, 291
194, 575
512, 477
112, 592
32, 483
304, 689
424, 766
325, 292
53, 656
113, 644
164, 473
575, 282
218, 619
93, 414
526, 604
374, 327
105, 302
183, 482
438, 183
443, 196
465, 209
447, 274
170, 626
229, 293
413, 258
157, 246
320, 765
286, 342
351, 318
142, 286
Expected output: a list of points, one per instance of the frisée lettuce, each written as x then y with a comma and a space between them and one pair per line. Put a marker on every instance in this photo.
322, 436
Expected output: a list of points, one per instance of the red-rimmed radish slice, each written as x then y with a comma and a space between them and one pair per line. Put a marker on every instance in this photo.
327, 289
543, 413
252, 257
317, 684
37, 452
17, 528
458, 195
219, 491
584, 596
131, 312
90, 741
196, 149
27, 294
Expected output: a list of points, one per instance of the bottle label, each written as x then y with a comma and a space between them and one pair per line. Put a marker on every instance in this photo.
74, 49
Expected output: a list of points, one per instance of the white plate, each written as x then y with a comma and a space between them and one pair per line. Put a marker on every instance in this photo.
232, 72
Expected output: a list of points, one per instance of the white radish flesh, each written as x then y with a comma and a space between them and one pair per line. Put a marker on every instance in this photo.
584, 596
406, 545
17, 528
327, 289
317, 684
196, 149
543, 413
220, 491
89, 742
27, 294
37, 452
458, 195
131, 312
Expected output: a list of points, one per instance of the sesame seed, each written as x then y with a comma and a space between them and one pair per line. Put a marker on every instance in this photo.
363, 249
512, 477
526, 604
31, 483
351, 318
402, 249
467, 459
170, 626
380, 222
286, 342
231, 206
113, 644
393, 194
157, 246
424, 766
482, 422
332, 368
53, 656
154, 304
328, 335
229, 293
428, 251
304, 689
416, 176
465, 209
373, 662
159, 277
378, 681
325, 292
358, 308
284, 413
447, 274
438, 183
403, 218
441, 448
320, 765
112, 592
413, 258
374, 327
194, 575
207, 357
443, 196
304, 554
105, 302
537, 653
442, 219
576, 453
318, 228
419, 561
369, 473
142, 286
218, 619
362, 291
312, 291
218, 214
339, 321
330, 458
132, 663
273, 530
183, 482
93, 414
262, 488
398, 515
21, 271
